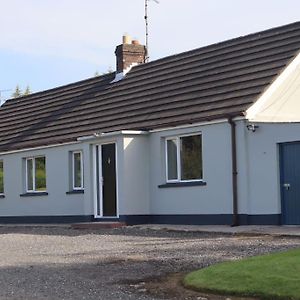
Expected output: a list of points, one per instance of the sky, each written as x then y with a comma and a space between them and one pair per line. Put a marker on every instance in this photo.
49, 43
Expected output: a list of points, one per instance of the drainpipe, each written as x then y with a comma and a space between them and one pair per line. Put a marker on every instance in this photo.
235, 221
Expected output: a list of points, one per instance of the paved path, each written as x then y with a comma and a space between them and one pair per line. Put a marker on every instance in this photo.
61, 263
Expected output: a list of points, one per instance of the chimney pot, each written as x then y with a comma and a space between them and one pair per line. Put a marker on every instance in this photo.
135, 42
126, 39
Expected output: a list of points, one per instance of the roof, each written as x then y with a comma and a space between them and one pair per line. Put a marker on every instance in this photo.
216, 81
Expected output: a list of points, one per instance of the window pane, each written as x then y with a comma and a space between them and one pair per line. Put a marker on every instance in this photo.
29, 175
191, 157
40, 174
1, 178
77, 170
172, 159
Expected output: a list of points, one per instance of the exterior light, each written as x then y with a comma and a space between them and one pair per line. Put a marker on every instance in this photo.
252, 127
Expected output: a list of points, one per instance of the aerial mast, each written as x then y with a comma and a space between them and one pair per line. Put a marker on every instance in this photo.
147, 29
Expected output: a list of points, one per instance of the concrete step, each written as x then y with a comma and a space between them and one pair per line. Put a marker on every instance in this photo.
98, 225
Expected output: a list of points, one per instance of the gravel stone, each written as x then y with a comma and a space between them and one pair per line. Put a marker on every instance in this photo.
62, 263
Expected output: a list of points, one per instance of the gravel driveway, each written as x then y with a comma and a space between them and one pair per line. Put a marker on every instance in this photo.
61, 263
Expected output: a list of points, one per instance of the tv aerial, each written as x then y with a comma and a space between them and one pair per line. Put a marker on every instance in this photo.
147, 28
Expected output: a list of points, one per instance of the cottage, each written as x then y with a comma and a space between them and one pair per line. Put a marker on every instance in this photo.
208, 136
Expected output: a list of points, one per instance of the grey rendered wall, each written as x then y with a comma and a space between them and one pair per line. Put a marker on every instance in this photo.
135, 176
216, 196
258, 165
57, 172
141, 169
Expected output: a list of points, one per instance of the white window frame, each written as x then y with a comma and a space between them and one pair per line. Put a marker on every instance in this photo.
81, 171
177, 138
3, 176
33, 174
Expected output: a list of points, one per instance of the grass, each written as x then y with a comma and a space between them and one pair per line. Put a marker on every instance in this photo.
272, 276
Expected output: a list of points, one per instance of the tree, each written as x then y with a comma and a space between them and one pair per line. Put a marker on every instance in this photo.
27, 91
17, 93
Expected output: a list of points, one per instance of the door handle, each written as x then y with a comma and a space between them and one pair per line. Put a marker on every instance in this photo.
287, 186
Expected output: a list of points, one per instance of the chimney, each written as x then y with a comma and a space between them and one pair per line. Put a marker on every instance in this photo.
128, 53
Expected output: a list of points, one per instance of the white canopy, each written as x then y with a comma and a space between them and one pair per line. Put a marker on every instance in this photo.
281, 101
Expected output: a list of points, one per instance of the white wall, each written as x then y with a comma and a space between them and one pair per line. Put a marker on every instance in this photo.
141, 169
57, 202
136, 176
216, 196
258, 165
132, 158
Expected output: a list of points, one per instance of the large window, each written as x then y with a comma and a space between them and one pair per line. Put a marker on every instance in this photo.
184, 158
36, 174
1, 178
77, 170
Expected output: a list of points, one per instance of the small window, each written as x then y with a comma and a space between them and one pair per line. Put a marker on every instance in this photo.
184, 158
1, 178
77, 170
36, 174
172, 159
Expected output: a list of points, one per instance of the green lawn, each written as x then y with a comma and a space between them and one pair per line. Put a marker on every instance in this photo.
273, 276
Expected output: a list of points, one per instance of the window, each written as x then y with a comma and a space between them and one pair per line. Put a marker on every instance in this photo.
77, 170
172, 159
1, 178
36, 174
184, 158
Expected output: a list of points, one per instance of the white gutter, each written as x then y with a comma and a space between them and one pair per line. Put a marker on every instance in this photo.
111, 134
141, 132
197, 124
37, 148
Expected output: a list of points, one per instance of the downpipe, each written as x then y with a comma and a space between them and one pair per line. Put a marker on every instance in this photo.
235, 219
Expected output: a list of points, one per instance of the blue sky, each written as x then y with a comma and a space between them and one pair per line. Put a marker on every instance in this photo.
49, 43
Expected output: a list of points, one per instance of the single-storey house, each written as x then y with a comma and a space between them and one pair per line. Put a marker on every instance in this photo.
208, 136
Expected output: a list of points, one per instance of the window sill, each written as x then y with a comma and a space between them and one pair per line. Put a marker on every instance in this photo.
182, 184
33, 194
75, 192
2, 196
